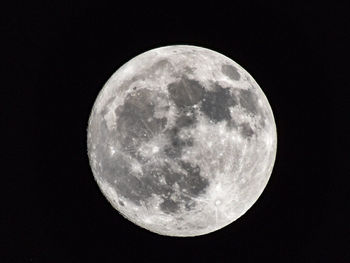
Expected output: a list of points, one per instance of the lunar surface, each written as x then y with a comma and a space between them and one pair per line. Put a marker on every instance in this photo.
181, 140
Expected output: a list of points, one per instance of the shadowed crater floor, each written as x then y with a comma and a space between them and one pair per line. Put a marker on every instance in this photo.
216, 104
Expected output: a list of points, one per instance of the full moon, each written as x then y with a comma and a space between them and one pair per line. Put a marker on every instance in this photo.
181, 140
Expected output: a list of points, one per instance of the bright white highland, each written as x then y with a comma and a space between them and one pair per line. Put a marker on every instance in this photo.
170, 152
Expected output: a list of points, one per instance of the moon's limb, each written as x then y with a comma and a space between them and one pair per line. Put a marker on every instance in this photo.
182, 140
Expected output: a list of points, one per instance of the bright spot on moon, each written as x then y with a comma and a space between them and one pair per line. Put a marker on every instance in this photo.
181, 140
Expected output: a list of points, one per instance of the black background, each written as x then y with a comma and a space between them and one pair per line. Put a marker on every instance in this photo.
59, 55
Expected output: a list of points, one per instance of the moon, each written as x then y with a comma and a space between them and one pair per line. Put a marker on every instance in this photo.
181, 140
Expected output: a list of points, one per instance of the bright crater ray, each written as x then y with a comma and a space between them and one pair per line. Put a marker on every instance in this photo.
181, 140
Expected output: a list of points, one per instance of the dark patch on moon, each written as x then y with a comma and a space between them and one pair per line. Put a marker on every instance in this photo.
246, 130
248, 101
186, 118
194, 183
189, 70
191, 182
133, 189
172, 152
136, 122
185, 92
230, 71
232, 124
216, 104
189, 203
169, 206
